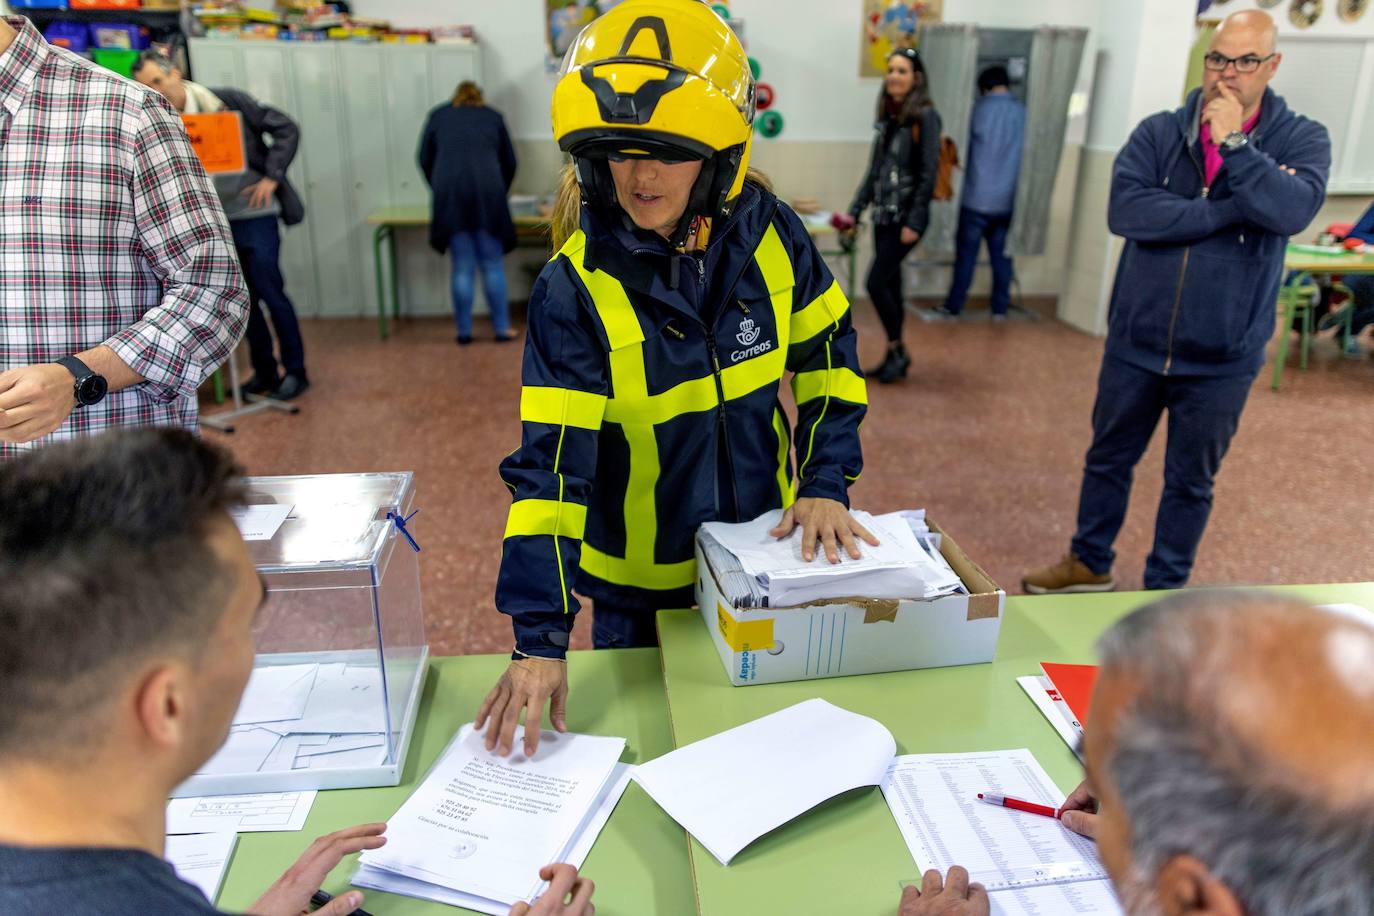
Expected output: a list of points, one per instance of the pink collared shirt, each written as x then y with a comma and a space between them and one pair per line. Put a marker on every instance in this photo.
1211, 154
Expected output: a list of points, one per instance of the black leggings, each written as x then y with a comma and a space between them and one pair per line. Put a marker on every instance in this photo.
885, 277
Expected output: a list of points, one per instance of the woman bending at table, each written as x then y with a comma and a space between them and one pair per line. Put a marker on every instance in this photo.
681, 292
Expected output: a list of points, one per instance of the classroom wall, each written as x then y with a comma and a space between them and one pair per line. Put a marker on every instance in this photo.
808, 51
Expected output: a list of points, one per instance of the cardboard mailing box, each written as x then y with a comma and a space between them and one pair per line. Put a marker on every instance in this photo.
854, 636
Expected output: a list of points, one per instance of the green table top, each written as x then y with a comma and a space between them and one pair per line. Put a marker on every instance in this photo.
847, 856
1296, 258
639, 862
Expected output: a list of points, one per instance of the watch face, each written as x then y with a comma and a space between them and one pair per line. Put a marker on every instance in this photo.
92, 390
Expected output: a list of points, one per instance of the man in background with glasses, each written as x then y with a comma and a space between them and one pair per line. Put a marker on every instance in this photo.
1206, 198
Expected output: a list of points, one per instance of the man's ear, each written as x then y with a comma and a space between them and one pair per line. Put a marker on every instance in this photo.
160, 703
1185, 886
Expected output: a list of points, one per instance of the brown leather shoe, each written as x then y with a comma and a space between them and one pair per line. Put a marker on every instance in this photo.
1067, 576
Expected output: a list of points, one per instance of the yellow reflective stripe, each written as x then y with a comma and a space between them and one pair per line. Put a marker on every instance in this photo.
840, 383
823, 313
797, 396
561, 407
531, 517
784, 446
753, 374
778, 276
697, 395
629, 380
617, 315
624, 571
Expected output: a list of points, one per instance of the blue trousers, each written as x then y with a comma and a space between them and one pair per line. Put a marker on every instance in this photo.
1362, 286
258, 241
1204, 412
974, 227
622, 628
470, 251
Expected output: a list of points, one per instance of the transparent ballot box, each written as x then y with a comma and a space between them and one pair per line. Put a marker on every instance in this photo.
340, 639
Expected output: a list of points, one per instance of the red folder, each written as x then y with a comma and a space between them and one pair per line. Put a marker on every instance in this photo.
1075, 685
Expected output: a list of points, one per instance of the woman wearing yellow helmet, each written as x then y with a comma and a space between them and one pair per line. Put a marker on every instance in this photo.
680, 296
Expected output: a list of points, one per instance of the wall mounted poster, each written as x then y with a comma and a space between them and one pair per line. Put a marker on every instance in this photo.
563, 19
892, 24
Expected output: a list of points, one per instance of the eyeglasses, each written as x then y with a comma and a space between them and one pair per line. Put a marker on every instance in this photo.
1247, 63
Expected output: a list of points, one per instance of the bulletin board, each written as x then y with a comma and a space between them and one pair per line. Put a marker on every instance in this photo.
891, 24
218, 140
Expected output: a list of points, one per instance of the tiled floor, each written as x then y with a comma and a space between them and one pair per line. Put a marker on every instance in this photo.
988, 433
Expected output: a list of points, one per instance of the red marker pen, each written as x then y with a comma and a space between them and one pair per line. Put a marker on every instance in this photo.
1004, 801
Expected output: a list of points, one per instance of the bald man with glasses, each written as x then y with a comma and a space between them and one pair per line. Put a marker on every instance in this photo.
1206, 198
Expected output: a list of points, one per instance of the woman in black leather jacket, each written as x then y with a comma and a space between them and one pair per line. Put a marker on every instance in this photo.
899, 183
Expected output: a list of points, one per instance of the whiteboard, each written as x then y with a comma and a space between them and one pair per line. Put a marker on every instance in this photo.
1329, 81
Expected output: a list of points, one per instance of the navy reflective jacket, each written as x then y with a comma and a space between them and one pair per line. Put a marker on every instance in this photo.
651, 404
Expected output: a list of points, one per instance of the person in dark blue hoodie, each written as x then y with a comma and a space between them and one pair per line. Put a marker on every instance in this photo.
1206, 198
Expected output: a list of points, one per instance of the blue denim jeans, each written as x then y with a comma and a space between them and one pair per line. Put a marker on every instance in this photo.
1204, 412
470, 251
973, 228
258, 242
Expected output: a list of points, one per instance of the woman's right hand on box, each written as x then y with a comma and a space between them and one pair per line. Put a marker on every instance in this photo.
527, 684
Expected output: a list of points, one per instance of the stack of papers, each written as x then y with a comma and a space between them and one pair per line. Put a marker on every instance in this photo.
756, 569
311, 716
479, 827
1030, 864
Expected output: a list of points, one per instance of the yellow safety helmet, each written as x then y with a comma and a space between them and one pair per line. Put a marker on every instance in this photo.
662, 79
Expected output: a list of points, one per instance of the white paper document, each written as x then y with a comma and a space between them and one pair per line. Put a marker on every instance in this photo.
201, 859
1031, 865
263, 812
276, 693
582, 846
483, 825
779, 766
245, 751
260, 523
1046, 698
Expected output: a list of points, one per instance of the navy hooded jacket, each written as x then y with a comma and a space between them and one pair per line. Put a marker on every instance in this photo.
1199, 275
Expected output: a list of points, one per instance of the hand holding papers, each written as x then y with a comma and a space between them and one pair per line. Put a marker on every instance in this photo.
479, 827
797, 758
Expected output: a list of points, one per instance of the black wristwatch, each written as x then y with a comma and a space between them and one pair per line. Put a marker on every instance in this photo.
90, 387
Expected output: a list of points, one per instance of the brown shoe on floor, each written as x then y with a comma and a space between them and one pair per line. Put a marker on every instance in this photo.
1067, 576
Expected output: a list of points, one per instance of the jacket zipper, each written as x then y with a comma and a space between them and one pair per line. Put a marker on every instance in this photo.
721, 421
1178, 292
1173, 321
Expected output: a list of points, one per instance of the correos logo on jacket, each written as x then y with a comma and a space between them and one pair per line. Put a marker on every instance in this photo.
747, 335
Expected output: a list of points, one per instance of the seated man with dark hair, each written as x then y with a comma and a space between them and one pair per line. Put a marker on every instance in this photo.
126, 613
1231, 744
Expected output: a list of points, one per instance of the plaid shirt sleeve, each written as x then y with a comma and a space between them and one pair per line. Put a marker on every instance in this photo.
183, 234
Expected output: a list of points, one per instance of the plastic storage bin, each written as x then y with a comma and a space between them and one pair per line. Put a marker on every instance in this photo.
74, 36
340, 640
121, 62
123, 36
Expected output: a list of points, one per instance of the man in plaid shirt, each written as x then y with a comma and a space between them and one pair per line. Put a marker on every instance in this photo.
117, 269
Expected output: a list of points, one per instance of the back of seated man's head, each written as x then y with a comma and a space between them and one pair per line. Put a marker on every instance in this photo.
121, 569
1231, 746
